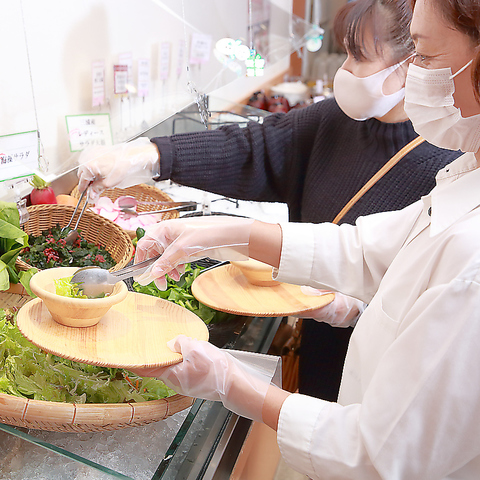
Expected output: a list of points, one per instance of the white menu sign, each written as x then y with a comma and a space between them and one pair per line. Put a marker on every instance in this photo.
98, 83
164, 60
181, 57
200, 48
143, 77
88, 130
127, 59
120, 79
18, 155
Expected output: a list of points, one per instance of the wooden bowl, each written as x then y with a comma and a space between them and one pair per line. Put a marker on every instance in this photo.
73, 312
257, 273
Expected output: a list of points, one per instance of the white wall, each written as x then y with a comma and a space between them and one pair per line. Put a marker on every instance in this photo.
61, 38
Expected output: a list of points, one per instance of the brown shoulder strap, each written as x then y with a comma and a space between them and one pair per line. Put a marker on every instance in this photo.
386, 168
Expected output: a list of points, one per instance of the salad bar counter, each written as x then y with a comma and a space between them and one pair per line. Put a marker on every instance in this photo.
200, 442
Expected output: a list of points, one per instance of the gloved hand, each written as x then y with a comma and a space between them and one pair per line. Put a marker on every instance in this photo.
183, 240
213, 374
343, 311
122, 165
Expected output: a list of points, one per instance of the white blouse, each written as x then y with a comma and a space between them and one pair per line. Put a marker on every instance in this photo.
409, 403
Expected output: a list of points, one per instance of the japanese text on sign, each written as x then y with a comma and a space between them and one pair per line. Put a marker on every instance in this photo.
88, 131
120, 79
18, 155
200, 48
98, 83
143, 77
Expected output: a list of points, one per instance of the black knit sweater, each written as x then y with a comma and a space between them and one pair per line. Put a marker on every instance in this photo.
313, 159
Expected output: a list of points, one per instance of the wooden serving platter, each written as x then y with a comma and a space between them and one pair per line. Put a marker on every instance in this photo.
228, 290
134, 333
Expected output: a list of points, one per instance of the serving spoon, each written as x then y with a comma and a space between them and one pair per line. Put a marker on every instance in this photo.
95, 281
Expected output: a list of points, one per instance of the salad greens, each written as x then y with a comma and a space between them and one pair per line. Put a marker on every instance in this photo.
181, 293
51, 250
12, 241
26, 371
65, 288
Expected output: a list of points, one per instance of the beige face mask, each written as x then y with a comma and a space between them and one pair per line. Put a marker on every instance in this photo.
362, 97
429, 103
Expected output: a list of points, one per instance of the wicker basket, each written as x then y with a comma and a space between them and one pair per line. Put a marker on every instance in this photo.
88, 417
143, 193
94, 228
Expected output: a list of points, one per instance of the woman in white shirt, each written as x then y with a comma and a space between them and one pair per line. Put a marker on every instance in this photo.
410, 396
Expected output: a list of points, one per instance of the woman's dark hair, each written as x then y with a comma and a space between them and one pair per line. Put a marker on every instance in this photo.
464, 16
387, 20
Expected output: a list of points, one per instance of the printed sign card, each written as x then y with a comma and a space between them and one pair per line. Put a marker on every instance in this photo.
88, 130
181, 57
200, 48
143, 77
98, 83
127, 59
120, 79
164, 60
18, 155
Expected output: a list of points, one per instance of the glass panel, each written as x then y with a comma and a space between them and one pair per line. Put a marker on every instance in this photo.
194, 446
134, 452
22, 457
64, 60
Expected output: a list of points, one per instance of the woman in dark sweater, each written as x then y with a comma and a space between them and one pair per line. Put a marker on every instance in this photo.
314, 159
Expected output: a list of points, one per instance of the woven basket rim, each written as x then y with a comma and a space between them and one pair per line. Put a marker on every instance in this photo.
142, 189
87, 417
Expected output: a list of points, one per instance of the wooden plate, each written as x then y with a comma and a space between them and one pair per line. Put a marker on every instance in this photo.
227, 289
133, 333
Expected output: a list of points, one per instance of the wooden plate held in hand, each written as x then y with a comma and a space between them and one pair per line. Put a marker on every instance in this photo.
228, 290
134, 333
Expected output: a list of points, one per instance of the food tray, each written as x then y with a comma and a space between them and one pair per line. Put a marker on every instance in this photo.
132, 334
226, 289
94, 228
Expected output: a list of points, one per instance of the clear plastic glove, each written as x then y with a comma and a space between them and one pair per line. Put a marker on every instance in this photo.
122, 165
184, 240
213, 374
342, 312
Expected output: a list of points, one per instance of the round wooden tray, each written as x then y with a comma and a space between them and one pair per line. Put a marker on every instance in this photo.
134, 333
228, 290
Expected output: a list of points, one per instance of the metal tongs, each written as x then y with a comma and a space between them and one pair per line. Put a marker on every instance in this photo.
128, 205
95, 281
73, 234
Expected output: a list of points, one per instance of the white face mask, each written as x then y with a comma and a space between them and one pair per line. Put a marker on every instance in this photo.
362, 97
429, 104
